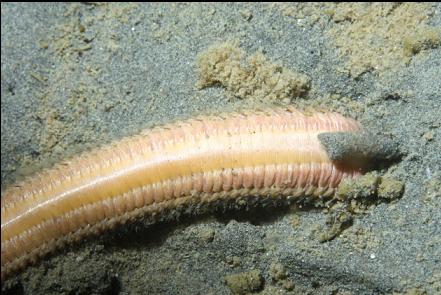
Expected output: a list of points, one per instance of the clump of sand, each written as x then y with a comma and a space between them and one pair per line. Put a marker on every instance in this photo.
382, 36
253, 77
374, 37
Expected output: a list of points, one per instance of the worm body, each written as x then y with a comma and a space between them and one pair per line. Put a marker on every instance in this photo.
273, 152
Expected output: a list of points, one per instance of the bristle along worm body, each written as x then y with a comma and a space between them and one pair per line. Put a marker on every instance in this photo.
259, 153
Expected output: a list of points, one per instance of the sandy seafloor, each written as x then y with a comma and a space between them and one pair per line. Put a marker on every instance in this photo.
76, 76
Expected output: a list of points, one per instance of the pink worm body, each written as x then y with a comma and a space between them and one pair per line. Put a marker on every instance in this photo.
273, 152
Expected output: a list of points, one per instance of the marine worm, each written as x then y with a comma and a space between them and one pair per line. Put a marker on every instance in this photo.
273, 152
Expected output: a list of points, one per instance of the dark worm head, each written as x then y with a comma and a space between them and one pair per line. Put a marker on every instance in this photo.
359, 149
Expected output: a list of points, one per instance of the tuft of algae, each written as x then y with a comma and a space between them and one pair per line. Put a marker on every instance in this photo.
279, 275
390, 188
336, 223
363, 187
424, 39
370, 188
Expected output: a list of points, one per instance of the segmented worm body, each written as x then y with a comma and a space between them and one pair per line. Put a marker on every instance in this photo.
261, 153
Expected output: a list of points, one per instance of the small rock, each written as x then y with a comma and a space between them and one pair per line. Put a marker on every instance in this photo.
429, 136
207, 235
246, 282
246, 14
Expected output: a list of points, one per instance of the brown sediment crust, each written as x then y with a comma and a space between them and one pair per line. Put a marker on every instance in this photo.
260, 153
